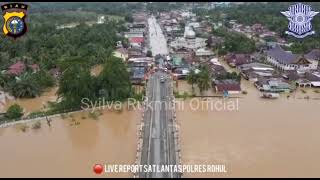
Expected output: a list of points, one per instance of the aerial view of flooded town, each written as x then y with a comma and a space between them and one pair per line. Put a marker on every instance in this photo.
160, 89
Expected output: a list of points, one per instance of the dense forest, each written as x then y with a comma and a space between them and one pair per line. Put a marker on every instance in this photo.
233, 42
112, 8
72, 50
154, 7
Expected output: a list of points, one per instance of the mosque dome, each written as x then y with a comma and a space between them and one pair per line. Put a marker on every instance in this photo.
189, 34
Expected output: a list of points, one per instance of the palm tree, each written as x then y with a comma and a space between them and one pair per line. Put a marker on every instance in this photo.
192, 78
203, 79
2, 80
25, 89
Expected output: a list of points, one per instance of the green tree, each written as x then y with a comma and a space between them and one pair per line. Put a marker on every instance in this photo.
2, 80
114, 82
24, 86
75, 84
128, 18
192, 78
204, 79
44, 79
14, 112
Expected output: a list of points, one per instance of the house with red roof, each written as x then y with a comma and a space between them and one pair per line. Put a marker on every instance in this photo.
16, 69
19, 67
136, 41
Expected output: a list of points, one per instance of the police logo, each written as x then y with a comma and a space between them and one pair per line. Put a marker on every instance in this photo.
14, 15
300, 17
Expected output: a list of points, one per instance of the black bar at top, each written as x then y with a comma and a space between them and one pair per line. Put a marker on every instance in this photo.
14, 6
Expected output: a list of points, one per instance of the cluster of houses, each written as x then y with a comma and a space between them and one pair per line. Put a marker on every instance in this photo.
135, 52
187, 39
190, 44
281, 71
257, 32
136, 35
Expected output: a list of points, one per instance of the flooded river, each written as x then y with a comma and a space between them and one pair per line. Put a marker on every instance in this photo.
69, 150
262, 138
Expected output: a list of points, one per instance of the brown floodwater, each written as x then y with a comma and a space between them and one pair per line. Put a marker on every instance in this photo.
69, 150
262, 138
34, 104
41, 102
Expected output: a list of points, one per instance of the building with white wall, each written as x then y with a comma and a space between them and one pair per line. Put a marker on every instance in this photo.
285, 60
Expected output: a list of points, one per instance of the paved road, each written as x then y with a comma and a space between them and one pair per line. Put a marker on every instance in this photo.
158, 42
158, 144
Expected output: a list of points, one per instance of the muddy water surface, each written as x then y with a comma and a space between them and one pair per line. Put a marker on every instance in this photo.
69, 150
34, 104
263, 138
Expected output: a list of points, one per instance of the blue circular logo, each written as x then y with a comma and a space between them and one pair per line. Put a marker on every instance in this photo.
15, 25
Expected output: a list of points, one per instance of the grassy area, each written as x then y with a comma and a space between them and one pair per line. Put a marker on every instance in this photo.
113, 17
185, 95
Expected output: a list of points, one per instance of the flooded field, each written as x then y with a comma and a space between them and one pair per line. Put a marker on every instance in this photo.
182, 86
34, 104
69, 150
263, 138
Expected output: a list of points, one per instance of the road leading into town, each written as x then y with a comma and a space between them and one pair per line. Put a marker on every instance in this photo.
158, 146
158, 42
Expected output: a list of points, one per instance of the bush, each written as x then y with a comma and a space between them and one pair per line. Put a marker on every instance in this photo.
14, 112
63, 116
244, 92
23, 127
36, 114
36, 125
303, 91
94, 115
316, 91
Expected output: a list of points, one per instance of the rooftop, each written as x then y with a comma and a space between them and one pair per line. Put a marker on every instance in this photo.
136, 40
282, 56
227, 85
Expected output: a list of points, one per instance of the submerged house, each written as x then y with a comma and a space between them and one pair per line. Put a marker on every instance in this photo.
228, 86
309, 80
284, 60
273, 85
237, 59
252, 71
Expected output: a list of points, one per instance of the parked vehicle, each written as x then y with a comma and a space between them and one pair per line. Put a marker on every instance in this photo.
270, 95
